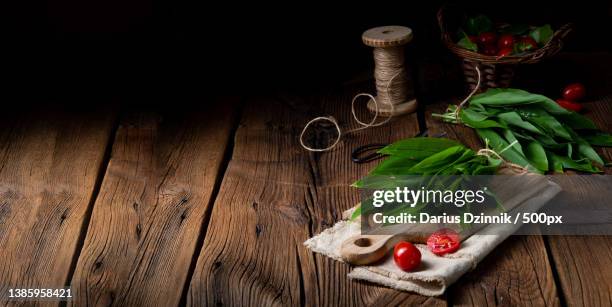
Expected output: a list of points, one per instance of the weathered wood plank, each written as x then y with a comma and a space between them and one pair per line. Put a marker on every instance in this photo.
49, 164
276, 195
517, 271
145, 224
584, 263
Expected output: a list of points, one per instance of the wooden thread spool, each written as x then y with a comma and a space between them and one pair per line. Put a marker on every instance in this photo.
394, 95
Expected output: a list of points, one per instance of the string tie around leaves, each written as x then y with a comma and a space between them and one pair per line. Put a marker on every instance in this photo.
487, 152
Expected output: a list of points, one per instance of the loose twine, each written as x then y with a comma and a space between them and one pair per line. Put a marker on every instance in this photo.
476, 88
391, 86
389, 62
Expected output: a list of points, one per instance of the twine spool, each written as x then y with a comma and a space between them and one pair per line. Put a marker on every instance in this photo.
394, 96
392, 83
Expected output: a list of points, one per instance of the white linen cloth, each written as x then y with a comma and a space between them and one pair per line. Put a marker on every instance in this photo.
435, 273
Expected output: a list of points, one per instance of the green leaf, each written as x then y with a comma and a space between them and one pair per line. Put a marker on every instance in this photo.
466, 43
549, 142
512, 118
509, 136
438, 161
598, 139
499, 145
522, 47
542, 34
508, 97
487, 168
395, 165
561, 162
418, 148
535, 153
356, 213
540, 118
459, 164
554, 162
584, 148
477, 120
478, 24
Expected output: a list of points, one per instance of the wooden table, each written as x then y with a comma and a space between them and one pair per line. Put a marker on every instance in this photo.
211, 206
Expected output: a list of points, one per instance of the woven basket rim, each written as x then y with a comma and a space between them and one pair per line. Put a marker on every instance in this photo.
553, 46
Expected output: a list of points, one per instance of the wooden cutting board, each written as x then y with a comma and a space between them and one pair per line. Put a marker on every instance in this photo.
511, 193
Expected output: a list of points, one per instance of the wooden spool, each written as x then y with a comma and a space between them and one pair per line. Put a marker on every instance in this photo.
389, 37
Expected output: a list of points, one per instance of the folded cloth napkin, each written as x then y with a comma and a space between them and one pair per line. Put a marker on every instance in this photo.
435, 273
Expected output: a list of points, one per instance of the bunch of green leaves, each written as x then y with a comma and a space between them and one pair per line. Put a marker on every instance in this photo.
413, 160
423, 156
532, 130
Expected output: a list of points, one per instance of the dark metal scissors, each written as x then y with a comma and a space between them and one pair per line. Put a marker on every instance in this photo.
369, 152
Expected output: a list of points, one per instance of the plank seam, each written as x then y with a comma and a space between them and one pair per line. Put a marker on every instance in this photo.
227, 156
555, 274
94, 196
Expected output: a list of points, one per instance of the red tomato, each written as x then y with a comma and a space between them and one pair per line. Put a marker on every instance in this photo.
505, 51
487, 38
473, 39
443, 241
574, 92
490, 50
529, 43
572, 106
505, 41
407, 257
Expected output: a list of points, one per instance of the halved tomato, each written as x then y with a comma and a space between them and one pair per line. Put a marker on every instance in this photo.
443, 241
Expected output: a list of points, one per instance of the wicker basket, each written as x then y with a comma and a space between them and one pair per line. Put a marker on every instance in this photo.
497, 71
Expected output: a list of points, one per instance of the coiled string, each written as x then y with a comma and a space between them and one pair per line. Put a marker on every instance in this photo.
391, 86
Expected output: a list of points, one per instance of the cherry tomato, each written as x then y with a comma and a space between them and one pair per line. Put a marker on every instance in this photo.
487, 38
505, 41
443, 241
528, 43
505, 51
574, 92
473, 39
490, 50
568, 105
407, 257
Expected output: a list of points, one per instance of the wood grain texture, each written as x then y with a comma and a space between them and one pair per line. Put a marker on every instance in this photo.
584, 263
518, 271
276, 195
152, 204
49, 164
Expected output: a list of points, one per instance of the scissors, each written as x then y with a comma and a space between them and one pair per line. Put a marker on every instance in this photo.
369, 152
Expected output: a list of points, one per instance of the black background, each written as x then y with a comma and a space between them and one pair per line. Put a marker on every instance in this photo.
150, 51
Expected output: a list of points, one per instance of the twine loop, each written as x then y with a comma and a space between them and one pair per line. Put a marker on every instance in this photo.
388, 62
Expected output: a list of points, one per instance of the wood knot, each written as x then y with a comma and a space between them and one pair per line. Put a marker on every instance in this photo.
138, 231
97, 265
64, 216
258, 230
184, 215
